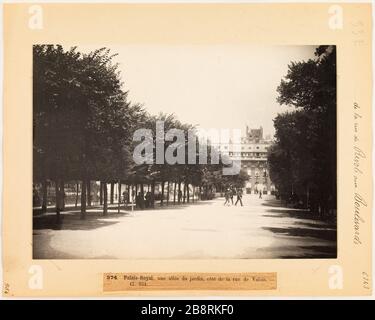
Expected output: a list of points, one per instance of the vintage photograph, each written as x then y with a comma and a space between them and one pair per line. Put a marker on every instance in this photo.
222, 151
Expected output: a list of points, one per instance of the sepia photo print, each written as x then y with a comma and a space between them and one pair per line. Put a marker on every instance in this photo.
219, 151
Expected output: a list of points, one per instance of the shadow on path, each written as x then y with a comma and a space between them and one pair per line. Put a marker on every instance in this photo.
70, 219
323, 234
299, 226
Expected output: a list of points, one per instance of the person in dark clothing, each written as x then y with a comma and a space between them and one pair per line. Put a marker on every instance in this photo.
227, 197
239, 196
125, 197
148, 199
232, 193
179, 196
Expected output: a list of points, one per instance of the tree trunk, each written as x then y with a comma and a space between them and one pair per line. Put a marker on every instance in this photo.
119, 196
44, 191
141, 196
132, 195
184, 197
112, 192
174, 192
62, 195
193, 193
77, 191
168, 192
57, 200
153, 194
88, 193
162, 193
105, 200
188, 192
83, 199
307, 197
128, 196
179, 191
101, 193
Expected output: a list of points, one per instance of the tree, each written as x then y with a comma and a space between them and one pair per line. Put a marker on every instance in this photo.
82, 121
55, 121
305, 146
83, 126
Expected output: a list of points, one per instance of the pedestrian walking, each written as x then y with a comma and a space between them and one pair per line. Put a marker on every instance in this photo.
239, 197
232, 192
260, 194
227, 197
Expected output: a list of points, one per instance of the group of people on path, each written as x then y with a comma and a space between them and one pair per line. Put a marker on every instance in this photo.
141, 200
230, 193
144, 200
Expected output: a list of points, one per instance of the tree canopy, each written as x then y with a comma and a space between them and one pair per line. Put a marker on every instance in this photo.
303, 159
83, 125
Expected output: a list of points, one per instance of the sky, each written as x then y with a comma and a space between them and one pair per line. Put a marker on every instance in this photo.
211, 86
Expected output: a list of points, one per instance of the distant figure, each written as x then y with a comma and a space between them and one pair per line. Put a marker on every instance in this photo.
36, 198
239, 197
232, 192
148, 199
260, 194
227, 197
125, 197
277, 195
137, 201
133, 196
140, 200
179, 195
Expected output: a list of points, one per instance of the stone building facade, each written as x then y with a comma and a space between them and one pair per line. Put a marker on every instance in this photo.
253, 155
